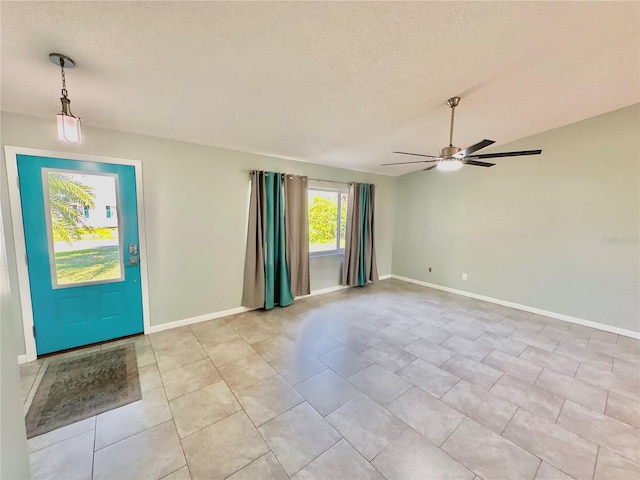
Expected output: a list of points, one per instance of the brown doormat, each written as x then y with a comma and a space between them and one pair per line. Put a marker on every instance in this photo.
80, 387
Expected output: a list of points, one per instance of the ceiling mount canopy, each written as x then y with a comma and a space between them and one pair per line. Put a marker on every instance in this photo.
69, 126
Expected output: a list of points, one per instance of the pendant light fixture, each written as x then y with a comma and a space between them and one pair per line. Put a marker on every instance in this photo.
69, 126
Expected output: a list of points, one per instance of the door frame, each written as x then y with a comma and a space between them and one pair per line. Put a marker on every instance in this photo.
24, 287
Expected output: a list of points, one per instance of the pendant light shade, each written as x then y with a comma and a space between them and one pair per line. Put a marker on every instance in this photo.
69, 126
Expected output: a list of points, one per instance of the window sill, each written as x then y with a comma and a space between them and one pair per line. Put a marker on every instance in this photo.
332, 253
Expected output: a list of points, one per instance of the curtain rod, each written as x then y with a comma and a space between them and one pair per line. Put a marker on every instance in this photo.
314, 179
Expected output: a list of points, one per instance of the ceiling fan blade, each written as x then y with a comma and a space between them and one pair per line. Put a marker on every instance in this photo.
474, 148
478, 164
407, 163
506, 154
430, 168
417, 154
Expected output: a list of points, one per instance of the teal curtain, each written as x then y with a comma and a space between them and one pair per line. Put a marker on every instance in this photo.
364, 214
277, 254
277, 281
359, 266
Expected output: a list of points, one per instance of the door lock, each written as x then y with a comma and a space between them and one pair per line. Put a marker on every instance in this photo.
133, 249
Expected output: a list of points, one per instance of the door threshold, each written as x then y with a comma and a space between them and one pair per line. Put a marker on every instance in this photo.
91, 346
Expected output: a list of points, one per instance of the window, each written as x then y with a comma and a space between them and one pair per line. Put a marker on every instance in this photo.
327, 220
81, 252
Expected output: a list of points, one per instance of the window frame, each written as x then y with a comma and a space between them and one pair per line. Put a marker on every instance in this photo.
55, 285
337, 250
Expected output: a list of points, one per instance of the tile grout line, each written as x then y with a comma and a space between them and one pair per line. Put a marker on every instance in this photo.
370, 462
299, 318
539, 464
171, 473
211, 424
569, 431
93, 449
451, 434
65, 439
228, 387
323, 418
507, 424
560, 411
252, 461
256, 427
595, 464
319, 455
539, 375
511, 420
172, 420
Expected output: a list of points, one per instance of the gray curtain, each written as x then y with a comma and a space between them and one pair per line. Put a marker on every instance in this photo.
276, 267
360, 252
254, 272
297, 233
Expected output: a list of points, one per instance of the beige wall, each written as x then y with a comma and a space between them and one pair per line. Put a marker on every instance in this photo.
14, 463
196, 201
558, 232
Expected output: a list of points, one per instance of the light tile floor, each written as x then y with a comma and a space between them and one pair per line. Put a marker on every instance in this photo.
388, 381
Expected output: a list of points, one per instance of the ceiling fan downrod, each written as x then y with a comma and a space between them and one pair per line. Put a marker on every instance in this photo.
447, 152
453, 103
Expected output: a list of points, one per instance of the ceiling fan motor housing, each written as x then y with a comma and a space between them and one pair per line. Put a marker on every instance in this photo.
449, 151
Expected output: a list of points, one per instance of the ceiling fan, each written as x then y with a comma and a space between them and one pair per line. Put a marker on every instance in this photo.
452, 158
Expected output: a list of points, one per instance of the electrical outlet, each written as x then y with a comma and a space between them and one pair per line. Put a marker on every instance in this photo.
464, 276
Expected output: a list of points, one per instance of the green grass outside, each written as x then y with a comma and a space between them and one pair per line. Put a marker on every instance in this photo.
87, 265
96, 233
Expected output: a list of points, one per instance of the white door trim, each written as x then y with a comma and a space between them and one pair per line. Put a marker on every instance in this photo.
10, 155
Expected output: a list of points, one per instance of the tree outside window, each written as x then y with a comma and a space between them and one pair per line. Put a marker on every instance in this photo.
327, 220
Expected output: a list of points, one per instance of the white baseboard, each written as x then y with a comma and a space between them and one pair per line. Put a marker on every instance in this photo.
322, 291
200, 318
517, 306
223, 313
233, 311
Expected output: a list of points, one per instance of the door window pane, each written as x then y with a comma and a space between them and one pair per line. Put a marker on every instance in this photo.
83, 227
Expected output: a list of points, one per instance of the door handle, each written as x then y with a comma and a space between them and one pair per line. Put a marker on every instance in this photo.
133, 249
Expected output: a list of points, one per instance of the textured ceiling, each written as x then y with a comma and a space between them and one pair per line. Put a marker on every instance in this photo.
340, 84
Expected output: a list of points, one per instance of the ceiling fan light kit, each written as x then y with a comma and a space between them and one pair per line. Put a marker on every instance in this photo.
69, 126
453, 158
449, 165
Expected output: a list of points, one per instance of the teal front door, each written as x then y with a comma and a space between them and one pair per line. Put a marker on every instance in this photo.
81, 231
